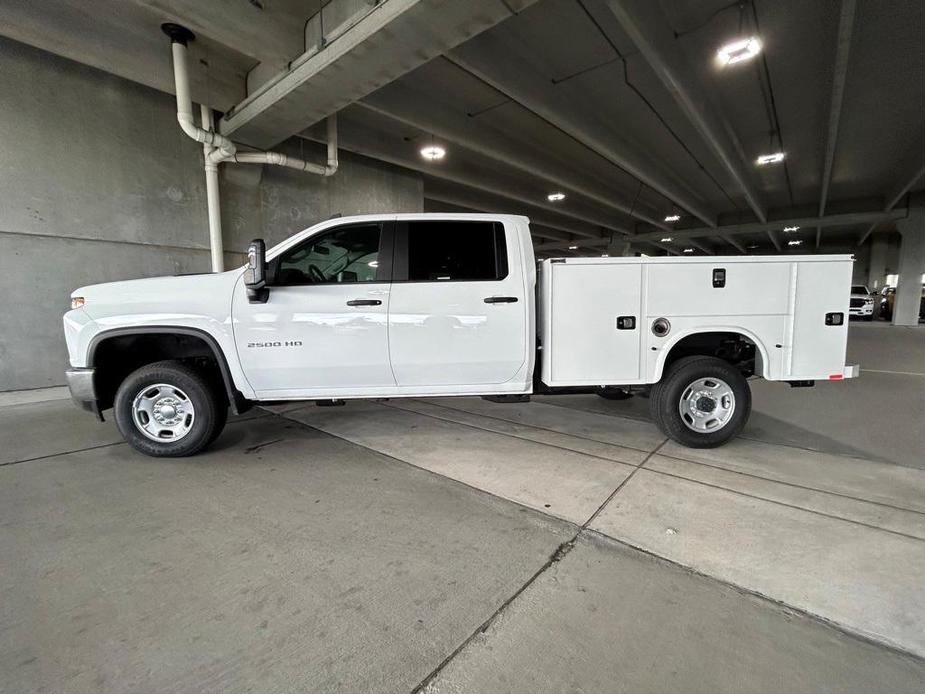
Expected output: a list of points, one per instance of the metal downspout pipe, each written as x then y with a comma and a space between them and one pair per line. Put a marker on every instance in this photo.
213, 202
217, 148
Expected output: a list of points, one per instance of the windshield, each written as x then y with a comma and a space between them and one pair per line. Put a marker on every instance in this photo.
859, 289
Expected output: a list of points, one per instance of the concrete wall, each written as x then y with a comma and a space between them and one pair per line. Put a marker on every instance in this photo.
98, 183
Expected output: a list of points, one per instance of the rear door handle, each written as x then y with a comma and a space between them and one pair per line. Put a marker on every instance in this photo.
364, 302
500, 299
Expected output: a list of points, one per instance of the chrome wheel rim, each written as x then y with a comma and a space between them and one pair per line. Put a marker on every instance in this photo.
707, 405
162, 412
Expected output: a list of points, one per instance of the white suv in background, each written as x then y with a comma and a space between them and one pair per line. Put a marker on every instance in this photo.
862, 303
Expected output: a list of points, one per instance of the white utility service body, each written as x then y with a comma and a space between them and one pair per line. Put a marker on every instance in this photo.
778, 302
338, 320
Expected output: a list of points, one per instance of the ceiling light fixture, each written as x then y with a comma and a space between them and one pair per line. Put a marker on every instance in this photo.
672, 218
765, 159
795, 242
737, 51
573, 248
667, 239
688, 250
556, 197
605, 255
789, 229
433, 152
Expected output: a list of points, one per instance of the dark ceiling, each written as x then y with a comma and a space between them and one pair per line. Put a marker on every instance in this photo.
620, 104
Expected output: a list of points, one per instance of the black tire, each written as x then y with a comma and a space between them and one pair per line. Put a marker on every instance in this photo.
209, 407
613, 393
667, 395
221, 418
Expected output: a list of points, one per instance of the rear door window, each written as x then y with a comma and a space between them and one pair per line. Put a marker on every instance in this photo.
454, 251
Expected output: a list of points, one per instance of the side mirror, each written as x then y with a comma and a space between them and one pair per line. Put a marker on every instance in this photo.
255, 277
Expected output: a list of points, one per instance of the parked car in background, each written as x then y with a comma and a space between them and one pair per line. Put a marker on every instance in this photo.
861, 304
888, 301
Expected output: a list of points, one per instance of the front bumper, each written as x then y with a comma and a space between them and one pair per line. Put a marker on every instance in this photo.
83, 390
866, 310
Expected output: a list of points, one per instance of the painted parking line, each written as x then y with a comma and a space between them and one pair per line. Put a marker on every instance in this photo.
896, 373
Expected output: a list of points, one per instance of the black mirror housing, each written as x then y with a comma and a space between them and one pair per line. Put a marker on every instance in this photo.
255, 276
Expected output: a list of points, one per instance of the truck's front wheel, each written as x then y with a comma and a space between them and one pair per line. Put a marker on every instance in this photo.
701, 402
167, 409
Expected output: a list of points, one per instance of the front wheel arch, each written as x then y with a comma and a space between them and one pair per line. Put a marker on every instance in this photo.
203, 344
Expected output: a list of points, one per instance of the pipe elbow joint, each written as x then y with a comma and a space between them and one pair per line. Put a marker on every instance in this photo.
189, 126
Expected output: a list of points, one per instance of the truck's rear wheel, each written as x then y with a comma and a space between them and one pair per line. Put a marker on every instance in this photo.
167, 409
701, 402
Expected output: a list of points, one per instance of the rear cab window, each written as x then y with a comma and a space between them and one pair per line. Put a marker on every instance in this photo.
451, 251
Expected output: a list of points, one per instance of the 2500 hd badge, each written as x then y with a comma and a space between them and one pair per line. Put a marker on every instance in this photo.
290, 343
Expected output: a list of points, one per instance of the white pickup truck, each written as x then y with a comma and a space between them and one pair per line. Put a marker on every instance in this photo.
426, 305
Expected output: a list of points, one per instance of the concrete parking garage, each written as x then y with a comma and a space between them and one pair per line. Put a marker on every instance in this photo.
457, 544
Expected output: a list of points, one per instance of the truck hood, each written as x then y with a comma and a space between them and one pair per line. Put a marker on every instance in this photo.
174, 295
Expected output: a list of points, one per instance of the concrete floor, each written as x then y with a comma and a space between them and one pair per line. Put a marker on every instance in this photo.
462, 546
877, 416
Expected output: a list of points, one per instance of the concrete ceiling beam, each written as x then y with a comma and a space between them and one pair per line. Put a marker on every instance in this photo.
389, 41
125, 40
732, 242
913, 173
356, 137
844, 219
842, 51
775, 240
699, 246
563, 245
491, 61
268, 31
402, 104
497, 202
453, 203
649, 29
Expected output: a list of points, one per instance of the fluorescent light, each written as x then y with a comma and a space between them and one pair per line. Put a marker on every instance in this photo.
737, 51
605, 255
789, 229
672, 218
373, 263
433, 152
795, 242
688, 250
667, 239
556, 197
573, 248
765, 159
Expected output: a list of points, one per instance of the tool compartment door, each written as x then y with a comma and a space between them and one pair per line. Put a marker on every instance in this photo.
817, 350
584, 344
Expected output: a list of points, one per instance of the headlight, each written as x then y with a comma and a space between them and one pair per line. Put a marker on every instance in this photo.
869, 302
77, 301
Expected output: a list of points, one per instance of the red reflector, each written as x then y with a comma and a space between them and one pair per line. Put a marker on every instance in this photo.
836, 377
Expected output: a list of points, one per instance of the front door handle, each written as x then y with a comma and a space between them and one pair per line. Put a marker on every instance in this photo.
364, 302
500, 299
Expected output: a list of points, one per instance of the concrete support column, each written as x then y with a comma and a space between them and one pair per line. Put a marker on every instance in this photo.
911, 263
879, 248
